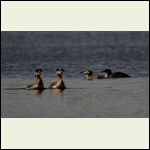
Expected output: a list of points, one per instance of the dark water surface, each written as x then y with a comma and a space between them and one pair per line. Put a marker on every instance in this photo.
23, 52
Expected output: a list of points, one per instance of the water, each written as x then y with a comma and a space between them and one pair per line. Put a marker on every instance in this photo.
23, 52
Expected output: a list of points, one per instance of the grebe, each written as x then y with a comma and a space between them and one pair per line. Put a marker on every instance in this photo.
38, 85
111, 74
59, 84
90, 76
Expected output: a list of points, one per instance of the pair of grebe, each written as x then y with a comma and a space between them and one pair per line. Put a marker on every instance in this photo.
105, 74
59, 83
38, 85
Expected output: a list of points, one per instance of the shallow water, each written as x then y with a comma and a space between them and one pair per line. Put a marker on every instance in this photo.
23, 52
97, 98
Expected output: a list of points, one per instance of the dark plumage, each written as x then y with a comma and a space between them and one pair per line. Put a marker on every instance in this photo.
115, 74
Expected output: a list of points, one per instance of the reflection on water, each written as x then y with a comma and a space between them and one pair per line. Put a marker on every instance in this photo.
58, 91
124, 98
38, 92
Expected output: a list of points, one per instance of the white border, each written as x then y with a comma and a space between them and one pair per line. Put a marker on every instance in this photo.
75, 133
75, 16
111, 133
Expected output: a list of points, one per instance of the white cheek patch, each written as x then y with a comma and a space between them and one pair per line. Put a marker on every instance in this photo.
38, 73
58, 72
106, 75
86, 72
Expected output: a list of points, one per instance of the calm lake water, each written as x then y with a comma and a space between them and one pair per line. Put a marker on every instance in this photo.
23, 52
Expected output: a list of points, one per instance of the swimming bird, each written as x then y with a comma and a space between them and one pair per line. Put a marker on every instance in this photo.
111, 74
59, 83
38, 85
90, 76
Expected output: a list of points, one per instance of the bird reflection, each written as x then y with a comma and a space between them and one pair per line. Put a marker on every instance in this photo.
58, 91
38, 92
